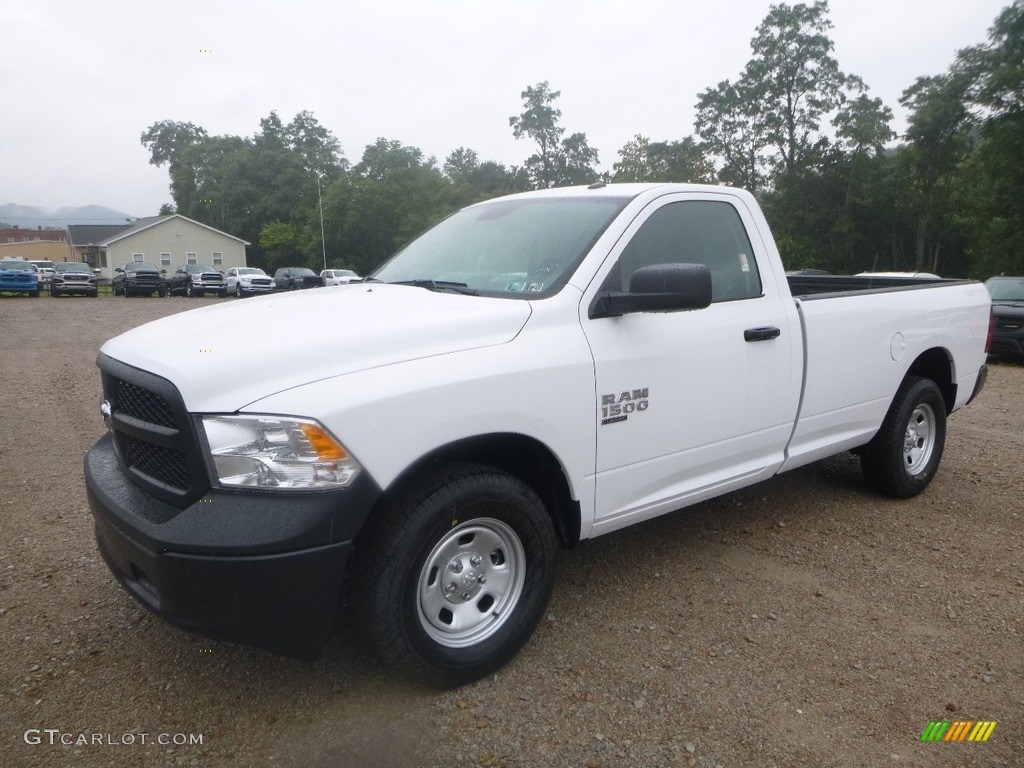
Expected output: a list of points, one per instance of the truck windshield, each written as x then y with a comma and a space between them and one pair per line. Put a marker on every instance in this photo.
22, 266
516, 248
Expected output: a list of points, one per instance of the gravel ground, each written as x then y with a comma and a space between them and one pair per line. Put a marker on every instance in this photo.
802, 622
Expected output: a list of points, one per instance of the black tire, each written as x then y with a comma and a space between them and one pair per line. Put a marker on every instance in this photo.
34, 294
222, 293
94, 295
238, 291
54, 294
436, 524
189, 293
902, 459
162, 293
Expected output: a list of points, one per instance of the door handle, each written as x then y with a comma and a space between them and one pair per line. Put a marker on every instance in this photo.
761, 334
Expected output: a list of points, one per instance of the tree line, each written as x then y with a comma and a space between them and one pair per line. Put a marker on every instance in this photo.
842, 192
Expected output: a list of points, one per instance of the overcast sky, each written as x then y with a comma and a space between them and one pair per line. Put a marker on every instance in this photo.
81, 81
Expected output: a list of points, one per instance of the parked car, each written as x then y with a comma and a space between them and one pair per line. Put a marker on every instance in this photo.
339, 276
290, 278
609, 354
18, 276
45, 270
1008, 310
136, 278
72, 277
245, 281
196, 280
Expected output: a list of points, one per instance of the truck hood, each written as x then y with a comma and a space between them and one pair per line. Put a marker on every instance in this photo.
225, 356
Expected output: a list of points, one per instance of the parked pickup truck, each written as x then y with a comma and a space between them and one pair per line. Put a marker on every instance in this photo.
533, 371
18, 276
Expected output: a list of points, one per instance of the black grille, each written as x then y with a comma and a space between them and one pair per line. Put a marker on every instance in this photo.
165, 465
143, 405
154, 437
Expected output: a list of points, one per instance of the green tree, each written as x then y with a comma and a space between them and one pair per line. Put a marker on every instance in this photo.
938, 136
665, 161
175, 144
994, 173
279, 241
769, 123
392, 196
165, 140
795, 80
558, 161
473, 181
733, 128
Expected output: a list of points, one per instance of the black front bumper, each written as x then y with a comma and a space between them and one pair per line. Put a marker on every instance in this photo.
261, 569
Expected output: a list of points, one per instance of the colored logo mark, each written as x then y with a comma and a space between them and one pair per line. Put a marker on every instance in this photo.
958, 730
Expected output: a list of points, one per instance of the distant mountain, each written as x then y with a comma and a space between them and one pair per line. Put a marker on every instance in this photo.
30, 217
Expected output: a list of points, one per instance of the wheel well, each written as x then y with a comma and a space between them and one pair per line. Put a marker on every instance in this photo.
528, 459
937, 365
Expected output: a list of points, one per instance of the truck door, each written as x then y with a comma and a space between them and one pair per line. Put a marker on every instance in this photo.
691, 403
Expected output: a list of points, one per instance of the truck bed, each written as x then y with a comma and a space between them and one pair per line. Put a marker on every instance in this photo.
809, 287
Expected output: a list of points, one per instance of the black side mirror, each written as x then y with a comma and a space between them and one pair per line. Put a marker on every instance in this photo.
119, 269
658, 288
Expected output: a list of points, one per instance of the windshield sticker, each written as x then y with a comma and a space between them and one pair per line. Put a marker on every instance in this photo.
744, 264
515, 287
534, 287
616, 408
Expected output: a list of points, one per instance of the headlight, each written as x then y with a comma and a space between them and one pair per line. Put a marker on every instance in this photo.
279, 453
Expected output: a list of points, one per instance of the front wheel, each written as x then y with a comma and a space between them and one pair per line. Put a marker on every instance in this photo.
238, 291
902, 458
455, 574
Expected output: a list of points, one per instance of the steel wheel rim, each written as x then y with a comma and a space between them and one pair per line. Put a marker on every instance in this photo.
919, 439
470, 583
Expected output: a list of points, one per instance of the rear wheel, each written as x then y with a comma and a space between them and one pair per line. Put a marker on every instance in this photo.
902, 458
455, 573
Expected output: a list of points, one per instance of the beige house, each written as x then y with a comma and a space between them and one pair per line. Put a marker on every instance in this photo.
167, 242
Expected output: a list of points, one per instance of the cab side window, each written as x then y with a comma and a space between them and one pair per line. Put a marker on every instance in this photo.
694, 232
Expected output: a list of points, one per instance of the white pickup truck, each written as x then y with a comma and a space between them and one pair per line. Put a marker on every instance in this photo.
534, 371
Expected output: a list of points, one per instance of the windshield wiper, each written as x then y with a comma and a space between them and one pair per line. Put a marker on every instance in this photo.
440, 285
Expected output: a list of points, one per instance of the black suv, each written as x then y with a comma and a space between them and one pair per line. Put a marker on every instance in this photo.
197, 279
290, 278
137, 278
1008, 311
